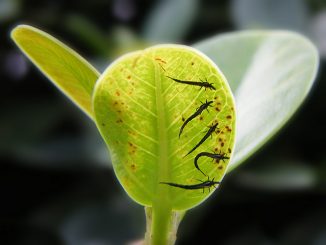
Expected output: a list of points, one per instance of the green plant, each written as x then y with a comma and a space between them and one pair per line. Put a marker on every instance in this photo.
139, 104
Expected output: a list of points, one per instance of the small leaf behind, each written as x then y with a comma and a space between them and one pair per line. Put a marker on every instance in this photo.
72, 74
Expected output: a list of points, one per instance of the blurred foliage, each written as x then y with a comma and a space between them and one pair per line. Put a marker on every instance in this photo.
273, 14
56, 183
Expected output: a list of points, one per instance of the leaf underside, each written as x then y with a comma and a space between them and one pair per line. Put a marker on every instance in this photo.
139, 112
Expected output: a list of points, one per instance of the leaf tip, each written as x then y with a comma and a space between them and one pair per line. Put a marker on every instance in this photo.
17, 29
15, 32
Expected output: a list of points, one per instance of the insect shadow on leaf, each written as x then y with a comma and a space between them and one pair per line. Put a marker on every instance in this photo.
201, 84
204, 184
214, 156
198, 111
209, 132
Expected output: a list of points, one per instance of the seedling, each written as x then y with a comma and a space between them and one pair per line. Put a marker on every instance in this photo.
138, 111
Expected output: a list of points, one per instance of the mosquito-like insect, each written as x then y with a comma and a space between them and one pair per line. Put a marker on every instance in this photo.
197, 113
208, 133
201, 84
204, 184
214, 156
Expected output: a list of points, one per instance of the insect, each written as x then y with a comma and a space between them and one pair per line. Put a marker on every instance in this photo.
214, 156
201, 84
204, 184
208, 133
197, 113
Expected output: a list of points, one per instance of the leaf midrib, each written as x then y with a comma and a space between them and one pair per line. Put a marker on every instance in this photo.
163, 168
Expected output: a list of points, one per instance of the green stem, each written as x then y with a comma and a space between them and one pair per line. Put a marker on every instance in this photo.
162, 225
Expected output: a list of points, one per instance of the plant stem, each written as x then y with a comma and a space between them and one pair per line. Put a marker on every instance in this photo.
162, 225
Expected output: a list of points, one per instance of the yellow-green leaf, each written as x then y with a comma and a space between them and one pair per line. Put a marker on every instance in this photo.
139, 111
72, 74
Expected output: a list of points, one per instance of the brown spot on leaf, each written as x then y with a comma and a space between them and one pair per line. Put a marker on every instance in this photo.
228, 128
132, 148
128, 77
220, 167
135, 62
192, 63
117, 93
229, 150
133, 167
131, 132
222, 144
103, 124
229, 117
201, 118
217, 109
160, 60
119, 121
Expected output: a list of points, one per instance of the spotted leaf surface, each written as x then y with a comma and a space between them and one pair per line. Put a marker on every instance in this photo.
140, 105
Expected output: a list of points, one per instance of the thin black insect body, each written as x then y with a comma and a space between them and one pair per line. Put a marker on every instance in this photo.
208, 133
201, 84
214, 156
197, 113
204, 184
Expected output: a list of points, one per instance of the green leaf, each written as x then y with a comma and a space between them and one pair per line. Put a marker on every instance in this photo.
139, 112
270, 73
73, 75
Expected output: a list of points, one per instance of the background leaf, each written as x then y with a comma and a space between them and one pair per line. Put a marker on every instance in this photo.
72, 74
270, 73
290, 14
139, 112
170, 20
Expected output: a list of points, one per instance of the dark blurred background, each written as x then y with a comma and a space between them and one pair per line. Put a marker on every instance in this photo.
56, 182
